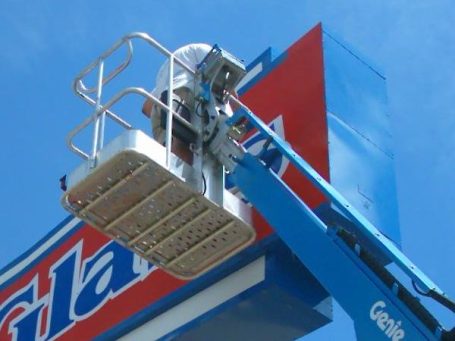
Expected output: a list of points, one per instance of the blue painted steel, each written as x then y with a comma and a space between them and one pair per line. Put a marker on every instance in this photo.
364, 175
333, 217
357, 93
364, 227
341, 272
360, 139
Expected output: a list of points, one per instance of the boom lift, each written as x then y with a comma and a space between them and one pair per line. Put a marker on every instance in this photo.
181, 218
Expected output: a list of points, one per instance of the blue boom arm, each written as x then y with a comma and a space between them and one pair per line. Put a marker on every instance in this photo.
380, 306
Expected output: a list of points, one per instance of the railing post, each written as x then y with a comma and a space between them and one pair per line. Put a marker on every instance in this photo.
98, 123
170, 97
98, 117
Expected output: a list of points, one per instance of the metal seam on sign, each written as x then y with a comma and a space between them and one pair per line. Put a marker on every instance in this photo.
359, 133
353, 54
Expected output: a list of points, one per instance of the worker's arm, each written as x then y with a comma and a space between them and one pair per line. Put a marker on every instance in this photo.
147, 107
234, 105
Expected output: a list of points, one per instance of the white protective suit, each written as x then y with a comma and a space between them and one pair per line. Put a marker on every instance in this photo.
183, 81
191, 55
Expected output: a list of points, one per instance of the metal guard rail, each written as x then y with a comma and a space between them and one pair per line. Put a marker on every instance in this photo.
109, 104
97, 117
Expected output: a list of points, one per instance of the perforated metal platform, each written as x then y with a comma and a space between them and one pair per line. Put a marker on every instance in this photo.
131, 197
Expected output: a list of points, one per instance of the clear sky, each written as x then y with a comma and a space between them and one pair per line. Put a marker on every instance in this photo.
46, 43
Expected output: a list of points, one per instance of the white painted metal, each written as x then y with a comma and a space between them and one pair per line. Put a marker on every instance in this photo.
202, 302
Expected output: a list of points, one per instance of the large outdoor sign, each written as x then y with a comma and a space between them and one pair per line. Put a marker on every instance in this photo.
76, 284
77, 288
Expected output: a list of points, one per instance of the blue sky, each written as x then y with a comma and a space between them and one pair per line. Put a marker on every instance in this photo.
46, 43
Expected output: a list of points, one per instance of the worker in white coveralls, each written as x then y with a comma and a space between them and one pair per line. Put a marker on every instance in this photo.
184, 88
